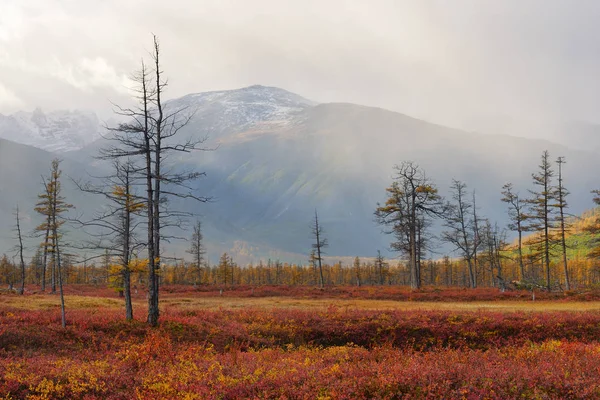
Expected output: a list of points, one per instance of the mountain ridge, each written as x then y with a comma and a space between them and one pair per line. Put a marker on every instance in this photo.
269, 177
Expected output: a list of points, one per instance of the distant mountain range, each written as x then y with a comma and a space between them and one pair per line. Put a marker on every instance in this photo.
278, 157
57, 131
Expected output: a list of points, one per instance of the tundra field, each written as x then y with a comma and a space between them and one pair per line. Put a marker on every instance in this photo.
302, 343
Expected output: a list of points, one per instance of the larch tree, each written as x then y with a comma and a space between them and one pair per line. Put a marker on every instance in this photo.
223, 268
594, 228
43, 207
320, 243
517, 220
412, 200
52, 206
114, 226
460, 227
380, 264
7, 271
197, 251
357, 271
312, 261
541, 209
561, 204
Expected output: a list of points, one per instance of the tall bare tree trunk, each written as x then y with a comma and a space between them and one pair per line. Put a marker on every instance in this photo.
56, 252
561, 194
158, 122
21, 260
127, 246
45, 259
475, 237
63, 317
152, 287
318, 246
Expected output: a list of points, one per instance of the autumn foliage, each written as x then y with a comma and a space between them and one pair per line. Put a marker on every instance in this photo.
333, 352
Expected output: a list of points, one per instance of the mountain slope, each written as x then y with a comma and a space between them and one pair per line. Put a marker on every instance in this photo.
339, 161
279, 157
21, 171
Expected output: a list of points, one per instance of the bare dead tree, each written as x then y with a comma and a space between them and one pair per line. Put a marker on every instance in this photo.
318, 246
20, 250
477, 241
460, 227
113, 228
560, 195
151, 133
412, 201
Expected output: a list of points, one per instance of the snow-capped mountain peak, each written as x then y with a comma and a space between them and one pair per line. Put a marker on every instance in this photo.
217, 113
241, 108
56, 131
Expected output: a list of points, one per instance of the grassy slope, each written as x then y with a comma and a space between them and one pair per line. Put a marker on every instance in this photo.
580, 241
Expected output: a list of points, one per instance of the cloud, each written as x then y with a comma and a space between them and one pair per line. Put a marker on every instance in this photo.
87, 74
8, 100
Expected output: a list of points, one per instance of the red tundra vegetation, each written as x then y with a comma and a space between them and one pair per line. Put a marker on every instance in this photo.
275, 351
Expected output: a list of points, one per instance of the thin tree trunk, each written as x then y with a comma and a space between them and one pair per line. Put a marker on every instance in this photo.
56, 256
153, 319
53, 271
415, 282
152, 309
521, 265
22, 261
127, 292
547, 237
564, 251
467, 249
63, 318
475, 238
45, 259
318, 246
126, 250
561, 205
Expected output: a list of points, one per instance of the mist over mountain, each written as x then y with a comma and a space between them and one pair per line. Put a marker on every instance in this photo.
578, 135
279, 157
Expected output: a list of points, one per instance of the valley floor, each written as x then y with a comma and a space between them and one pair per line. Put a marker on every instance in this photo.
302, 343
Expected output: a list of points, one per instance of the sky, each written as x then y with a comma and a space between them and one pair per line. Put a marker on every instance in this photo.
462, 63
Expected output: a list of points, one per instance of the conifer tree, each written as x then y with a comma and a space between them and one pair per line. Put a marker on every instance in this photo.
357, 271
52, 206
6, 271
197, 250
517, 220
560, 195
541, 207
412, 199
318, 246
43, 207
380, 265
